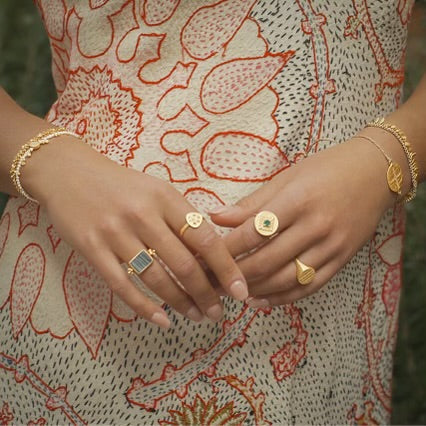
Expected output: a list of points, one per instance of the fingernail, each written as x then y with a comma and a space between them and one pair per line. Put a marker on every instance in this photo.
219, 210
161, 319
215, 313
194, 314
257, 303
239, 290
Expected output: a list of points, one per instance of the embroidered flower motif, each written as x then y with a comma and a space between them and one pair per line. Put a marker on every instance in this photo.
95, 105
40, 422
6, 415
362, 415
246, 389
205, 413
289, 356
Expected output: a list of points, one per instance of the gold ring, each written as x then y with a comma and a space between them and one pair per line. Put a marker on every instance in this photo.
305, 274
140, 262
193, 220
266, 223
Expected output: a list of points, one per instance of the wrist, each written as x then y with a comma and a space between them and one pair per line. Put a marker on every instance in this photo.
374, 166
393, 150
51, 166
410, 119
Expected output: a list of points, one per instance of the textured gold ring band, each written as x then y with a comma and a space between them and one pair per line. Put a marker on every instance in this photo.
305, 274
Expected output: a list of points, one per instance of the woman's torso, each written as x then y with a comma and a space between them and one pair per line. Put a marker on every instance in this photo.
216, 98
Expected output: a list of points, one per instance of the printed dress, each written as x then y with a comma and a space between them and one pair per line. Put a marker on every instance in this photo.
216, 97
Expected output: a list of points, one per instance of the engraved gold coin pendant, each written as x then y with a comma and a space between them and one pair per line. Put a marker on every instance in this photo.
266, 223
194, 219
394, 177
305, 274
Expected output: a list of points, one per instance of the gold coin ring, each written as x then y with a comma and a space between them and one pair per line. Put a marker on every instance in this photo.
266, 223
193, 220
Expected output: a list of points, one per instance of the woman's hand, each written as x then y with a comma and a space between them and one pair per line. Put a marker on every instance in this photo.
328, 206
109, 213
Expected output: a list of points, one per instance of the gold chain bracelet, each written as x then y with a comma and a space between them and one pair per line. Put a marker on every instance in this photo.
410, 154
394, 175
26, 151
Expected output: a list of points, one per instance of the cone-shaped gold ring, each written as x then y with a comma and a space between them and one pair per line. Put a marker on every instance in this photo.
305, 274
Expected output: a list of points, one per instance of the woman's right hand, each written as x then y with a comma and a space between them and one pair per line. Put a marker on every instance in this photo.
109, 213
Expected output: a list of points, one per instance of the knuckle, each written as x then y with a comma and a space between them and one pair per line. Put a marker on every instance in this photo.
109, 225
228, 269
338, 243
298, 196
249, 238
247, 203
155, 279
89, 239
208, 240
164, 189
137, 213
165, 240
323, 224
186, 267
119, 287
259, 268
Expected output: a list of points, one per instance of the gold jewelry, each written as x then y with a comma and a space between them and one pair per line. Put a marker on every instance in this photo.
305, 274
193, 220
394, 173
140, 262
266, 223
410, 154
26, 151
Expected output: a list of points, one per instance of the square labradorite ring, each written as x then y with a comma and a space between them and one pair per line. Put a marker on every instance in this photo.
141, 261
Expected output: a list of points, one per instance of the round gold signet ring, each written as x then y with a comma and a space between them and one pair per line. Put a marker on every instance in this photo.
266, 223
193, 220
305, 274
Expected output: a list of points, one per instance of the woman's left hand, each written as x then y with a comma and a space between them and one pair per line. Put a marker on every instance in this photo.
328, 206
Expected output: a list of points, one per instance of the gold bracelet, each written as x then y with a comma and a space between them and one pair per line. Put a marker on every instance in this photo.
26, 151
394, 175
410, 154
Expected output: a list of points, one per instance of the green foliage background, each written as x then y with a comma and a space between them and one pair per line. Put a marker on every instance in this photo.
25, 74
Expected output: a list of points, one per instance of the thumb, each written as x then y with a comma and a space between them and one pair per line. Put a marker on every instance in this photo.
229, 216
236, 214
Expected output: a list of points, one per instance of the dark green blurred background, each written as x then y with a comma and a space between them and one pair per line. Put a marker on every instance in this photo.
25, 74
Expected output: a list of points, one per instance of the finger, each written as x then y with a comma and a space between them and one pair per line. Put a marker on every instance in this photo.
186, 269
235, 215
211, 247
157, 279
230, 216
285, 278
322, 277
279, 251
108, 266
245, 238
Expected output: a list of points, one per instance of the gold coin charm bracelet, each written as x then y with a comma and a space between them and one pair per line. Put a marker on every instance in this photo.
394, 174
410, 154
26, 151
